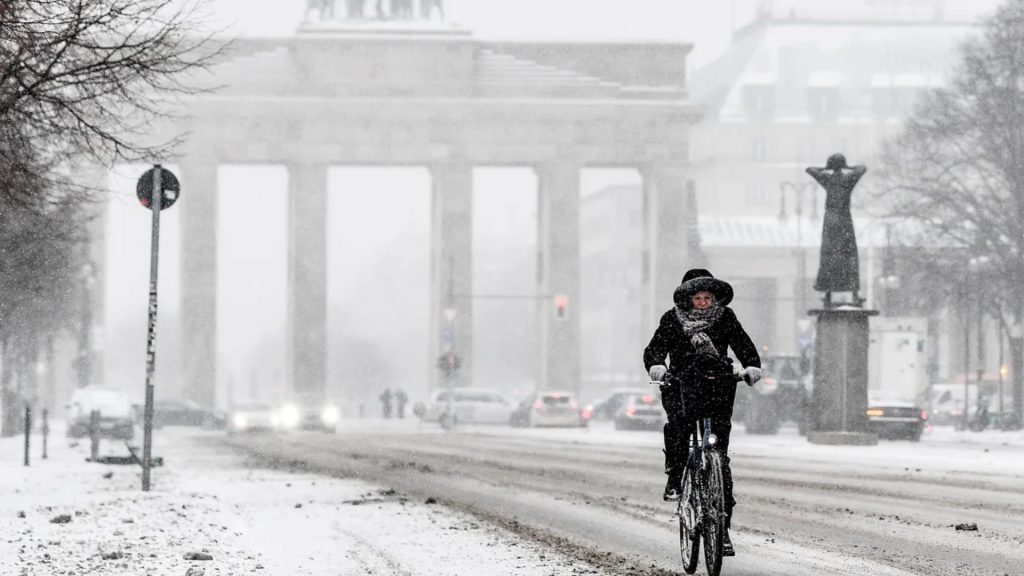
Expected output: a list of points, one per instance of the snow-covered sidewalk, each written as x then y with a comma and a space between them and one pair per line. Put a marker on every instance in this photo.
66, 516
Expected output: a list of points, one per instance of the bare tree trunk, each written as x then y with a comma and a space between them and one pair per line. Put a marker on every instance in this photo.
1017, 367
8, 399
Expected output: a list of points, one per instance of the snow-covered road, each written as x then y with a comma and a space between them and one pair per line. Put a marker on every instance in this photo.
804, 509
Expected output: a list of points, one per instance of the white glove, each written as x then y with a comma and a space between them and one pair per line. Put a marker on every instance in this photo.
657, 372
751, 374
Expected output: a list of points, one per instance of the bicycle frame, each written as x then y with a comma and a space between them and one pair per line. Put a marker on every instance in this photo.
701, 506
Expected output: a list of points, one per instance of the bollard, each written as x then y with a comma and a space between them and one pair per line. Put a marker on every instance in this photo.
94, 435
46, 430
28, 430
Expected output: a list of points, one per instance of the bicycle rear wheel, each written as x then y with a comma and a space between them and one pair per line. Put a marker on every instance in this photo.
713, 525
689, 535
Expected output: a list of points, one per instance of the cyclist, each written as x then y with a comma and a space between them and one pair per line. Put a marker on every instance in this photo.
693, 339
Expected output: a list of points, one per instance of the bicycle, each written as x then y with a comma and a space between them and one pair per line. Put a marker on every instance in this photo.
701, 509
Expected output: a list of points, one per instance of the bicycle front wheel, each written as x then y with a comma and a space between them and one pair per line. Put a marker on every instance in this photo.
689, 535
713, 525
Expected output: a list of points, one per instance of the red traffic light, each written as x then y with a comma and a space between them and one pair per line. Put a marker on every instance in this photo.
561, 305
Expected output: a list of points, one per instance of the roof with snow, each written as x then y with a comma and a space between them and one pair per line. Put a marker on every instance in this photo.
852, 49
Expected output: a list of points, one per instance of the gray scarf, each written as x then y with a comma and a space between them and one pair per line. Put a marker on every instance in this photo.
696, 323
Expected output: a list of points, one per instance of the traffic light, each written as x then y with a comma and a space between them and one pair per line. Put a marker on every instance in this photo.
561, 306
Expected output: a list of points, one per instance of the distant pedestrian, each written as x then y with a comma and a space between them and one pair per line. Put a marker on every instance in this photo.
385, 402
400, 400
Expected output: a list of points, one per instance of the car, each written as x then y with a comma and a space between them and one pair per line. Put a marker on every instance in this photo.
606, 408
470, 405
309, 415
186, 413
894, 419
115, 410
783, 394
548, 408
253, 418
641, 412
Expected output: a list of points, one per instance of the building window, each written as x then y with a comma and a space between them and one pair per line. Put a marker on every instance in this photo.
823, 103
758, 150
759, 100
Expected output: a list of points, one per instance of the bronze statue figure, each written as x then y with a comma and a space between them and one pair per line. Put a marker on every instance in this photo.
839, 269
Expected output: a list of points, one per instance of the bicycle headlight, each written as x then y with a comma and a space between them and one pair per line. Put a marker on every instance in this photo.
712, 439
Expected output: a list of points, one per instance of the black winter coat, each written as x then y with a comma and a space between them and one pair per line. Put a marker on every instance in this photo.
670, 343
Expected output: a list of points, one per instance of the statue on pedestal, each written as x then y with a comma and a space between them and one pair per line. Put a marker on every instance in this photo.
839, 270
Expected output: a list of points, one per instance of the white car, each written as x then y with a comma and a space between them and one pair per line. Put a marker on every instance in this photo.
253, 418
471, 406
116, 415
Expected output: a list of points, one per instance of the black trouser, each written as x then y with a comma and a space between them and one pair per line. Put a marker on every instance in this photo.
686, 405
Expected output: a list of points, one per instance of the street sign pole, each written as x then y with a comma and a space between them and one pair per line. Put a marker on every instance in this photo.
155, 204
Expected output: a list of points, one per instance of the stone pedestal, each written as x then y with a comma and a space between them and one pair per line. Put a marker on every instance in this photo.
840, 396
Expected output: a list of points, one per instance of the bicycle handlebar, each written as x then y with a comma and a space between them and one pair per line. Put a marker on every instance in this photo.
669, 380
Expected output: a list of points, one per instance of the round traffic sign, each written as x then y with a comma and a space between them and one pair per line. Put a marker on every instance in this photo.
170, 188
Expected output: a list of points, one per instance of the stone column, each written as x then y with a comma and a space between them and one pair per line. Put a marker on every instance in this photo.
558, 276
306, 358
451, 269
198, 205
666, 250
840, 394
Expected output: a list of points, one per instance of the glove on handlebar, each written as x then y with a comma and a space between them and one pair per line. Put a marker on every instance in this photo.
751, 374
657, 373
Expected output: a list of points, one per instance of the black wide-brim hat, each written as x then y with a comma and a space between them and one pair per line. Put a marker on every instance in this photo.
700, 280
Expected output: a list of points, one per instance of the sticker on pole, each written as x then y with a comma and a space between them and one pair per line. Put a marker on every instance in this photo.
170, 188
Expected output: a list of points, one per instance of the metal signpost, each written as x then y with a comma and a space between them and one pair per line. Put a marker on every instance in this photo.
157, 189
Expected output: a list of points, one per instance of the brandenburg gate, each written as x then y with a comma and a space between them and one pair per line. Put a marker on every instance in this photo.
429, 94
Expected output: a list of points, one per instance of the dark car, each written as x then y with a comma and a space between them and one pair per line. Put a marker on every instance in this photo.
782, 395
896, 420
606, 408
186, 413
641, 412
550, 408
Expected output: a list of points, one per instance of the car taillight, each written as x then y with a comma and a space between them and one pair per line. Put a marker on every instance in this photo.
586, 414
631, 411
924, 414
574, 405
538, 405
648, 399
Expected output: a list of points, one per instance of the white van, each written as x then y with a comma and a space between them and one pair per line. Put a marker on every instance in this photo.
114, 406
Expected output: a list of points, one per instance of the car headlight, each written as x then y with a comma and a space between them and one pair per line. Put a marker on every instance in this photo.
239, 421
290, 415
330, 415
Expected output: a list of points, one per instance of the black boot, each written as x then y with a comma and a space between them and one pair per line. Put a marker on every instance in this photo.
673, 486
727, 549
673, 465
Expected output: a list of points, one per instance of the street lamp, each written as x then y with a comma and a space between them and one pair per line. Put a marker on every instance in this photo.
83, 363
889, 280
798, 189
973, 264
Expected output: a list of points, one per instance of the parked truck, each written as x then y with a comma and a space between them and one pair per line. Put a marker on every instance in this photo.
898, 359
